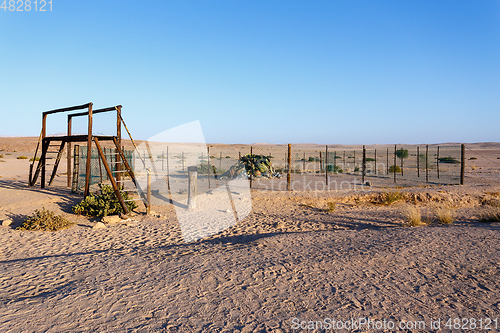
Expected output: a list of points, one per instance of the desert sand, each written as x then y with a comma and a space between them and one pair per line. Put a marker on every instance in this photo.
289, 263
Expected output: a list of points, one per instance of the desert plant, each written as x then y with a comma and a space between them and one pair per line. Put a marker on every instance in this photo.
330, 207
413, 216
394, 169
389, 198
444, 215
22, 158
402, 153
473, 158
448, 159
204, 169
490, 215
45, 220
103, 204
34, 159
1, 155
334, 168
370, 159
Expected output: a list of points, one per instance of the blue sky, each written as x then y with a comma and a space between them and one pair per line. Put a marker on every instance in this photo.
337, 72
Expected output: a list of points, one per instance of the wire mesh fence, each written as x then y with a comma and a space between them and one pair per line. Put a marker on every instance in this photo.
98, 172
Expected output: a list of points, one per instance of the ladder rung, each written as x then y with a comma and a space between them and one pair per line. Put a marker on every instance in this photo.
111, 154
121, 171
115, 162
132, 200
50, 152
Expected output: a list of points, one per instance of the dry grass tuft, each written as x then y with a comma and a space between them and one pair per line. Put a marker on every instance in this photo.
413, 216
45, 220
22, 158
491, 214
388, 198
330, 207
444, 215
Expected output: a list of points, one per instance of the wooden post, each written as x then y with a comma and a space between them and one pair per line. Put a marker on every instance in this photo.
335, 161
418, 162
394, 167
68, 155
43, 159
304, 163
320, 162
76, 169
118, 166
111, 178
364, 165
437, 162
375, 161
326, 165
427, 163
168, 178
289, 169
148, 195
89, 153
387, 162
344, 160
209, 171
462, 166
354, 161
251, 158
402, 159
192, 186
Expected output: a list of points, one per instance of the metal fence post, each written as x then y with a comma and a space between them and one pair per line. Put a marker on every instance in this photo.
394, 167
418, 162
437, 162
326, 165
427, 163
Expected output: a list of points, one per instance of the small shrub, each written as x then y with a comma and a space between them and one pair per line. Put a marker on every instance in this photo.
228, 156
35, 159
330, 207
402, 153
473, 158
45, 220
413, 216
356, 169
1, 155
8, 154
490, 215
313, 159
394, 169
370, 159
22, 158
448, 159
334, 168
103, 204
444, 215
389, 198
203, 169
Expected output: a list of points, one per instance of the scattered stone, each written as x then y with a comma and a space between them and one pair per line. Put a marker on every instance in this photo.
111, 219
155, 214
368, 183
7, 222
228, 211
99, 225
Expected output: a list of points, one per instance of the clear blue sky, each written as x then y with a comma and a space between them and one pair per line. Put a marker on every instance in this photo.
353, 72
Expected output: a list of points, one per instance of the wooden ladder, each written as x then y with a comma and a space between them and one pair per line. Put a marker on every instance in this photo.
42, 162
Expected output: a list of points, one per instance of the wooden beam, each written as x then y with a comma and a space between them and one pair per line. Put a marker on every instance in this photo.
89, 152
71, 108
113, 183
68, 156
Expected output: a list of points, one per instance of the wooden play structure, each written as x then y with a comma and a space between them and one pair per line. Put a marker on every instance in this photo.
52, 149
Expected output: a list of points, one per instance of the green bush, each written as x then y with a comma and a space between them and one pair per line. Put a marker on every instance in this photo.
22, 158
45, 220
1, 155
394, 169
448, 159
402, 153
103, 204
36, 159
313, 159
334, 168
203, 169
473, 158
370, 159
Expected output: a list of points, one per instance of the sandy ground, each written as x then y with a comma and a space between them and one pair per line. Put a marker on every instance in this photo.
289, 263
